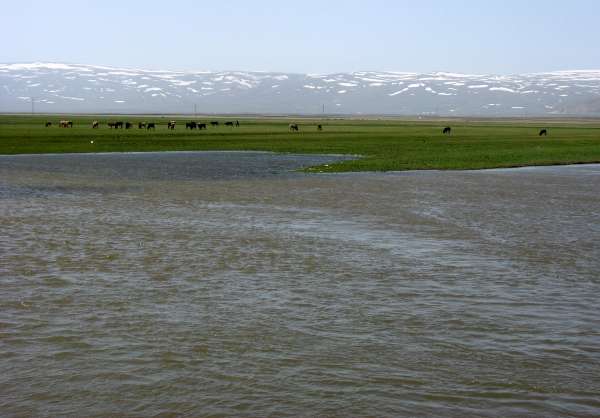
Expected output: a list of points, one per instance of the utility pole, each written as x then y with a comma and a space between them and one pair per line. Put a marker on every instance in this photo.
32, 102
323, 108
194, 109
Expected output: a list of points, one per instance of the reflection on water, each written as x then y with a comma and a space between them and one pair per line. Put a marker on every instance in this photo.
227, 284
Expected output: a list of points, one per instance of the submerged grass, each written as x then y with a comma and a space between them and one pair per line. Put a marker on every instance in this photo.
383, 145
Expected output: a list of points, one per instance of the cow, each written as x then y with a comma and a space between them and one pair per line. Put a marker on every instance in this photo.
111, 125
229, 124
128, 125
237, 123
293, 127
48, 124
150, 125
119, 125
171, 124
447, 130
95, 124
319, 127
141, 125
214, 123
65, 124
202, 126
191, 125
543, 132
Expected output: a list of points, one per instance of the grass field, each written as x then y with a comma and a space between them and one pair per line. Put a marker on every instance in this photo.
383, 145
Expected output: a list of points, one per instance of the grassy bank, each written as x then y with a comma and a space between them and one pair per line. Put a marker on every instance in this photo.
383, 144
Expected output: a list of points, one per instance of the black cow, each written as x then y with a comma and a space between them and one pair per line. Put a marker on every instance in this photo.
128, 125
150, 125
447, 130
293, 127
202, 126
544, 132
111, 125
214, 123
191, 125
48, 124
237, 123
229, 124
319, 127
141, 125
119, 125
95, 124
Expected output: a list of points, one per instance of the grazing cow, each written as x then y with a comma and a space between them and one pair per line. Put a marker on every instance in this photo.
171, 124
293, 127
319, 127
141, 125
65, 124
447, 130
237, 123
70, 124
128, 125
229, 124
111, 125
48, 124
191, 125
202, 126
119, 125
544, 132
214, 123
95, 124
150, 125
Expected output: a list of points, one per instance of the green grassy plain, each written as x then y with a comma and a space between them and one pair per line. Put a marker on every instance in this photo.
383, 144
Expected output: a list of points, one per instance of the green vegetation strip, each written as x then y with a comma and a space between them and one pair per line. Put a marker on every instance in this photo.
382, 145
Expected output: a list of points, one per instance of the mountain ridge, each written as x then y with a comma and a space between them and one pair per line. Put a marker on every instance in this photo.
58, 87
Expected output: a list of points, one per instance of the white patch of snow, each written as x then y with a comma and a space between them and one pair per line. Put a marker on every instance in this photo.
398, 92
71, 98
122, 73
505, 89
182, 82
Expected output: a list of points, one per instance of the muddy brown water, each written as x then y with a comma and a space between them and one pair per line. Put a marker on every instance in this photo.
227, 284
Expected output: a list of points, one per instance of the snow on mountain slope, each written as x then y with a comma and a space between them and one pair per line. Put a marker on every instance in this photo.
57, 87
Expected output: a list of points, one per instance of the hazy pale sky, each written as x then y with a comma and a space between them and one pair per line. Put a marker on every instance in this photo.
306, 36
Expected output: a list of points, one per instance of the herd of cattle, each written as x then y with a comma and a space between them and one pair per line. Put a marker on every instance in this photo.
170, 125
198, 125
145, 125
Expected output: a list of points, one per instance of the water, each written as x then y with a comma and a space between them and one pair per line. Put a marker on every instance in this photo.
212, 284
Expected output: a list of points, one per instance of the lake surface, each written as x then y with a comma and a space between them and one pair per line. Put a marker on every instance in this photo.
227, 284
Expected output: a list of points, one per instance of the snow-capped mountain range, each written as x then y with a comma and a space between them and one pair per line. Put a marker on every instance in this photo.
77, 88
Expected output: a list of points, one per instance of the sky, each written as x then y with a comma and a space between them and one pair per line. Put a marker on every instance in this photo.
474, 37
